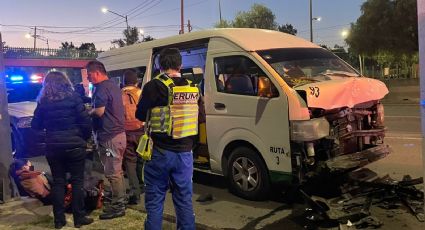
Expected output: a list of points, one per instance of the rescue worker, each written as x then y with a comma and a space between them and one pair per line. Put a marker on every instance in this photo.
169, 107
133, 130
108, 125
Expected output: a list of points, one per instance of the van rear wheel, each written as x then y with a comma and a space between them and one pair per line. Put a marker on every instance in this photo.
247, 174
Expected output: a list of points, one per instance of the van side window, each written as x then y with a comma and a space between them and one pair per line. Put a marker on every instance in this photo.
117, 75
193, 63
239, 75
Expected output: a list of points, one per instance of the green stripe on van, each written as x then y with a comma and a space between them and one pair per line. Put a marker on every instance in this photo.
277, 176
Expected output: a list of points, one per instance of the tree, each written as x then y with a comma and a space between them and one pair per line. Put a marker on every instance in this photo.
67, 46
386, 34
258, 17
287, 28
67, 49
223, 24
388, 26
87, 46
131, 36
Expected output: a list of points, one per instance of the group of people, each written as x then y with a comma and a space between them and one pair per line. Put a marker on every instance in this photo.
118, 118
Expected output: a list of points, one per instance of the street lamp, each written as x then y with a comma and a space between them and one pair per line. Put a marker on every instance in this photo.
311, 20
141, 32
28, 36
106, 10
344, 33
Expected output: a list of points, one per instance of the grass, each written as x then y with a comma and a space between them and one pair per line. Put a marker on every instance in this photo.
133, 220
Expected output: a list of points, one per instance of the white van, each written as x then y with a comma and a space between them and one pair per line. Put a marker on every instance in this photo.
278, 107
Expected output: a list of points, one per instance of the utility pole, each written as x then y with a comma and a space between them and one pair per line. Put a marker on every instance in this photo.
219, 9
189, 27
5, 141
35, 36
421, 36
126, 22
181, 18
311, 21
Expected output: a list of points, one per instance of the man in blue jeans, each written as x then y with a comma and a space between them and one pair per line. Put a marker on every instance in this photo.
168, 100
108, 126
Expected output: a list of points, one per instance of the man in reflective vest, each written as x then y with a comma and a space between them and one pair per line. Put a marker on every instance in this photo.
169, 106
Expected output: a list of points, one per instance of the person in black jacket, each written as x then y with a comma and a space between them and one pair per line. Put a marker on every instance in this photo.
61, 112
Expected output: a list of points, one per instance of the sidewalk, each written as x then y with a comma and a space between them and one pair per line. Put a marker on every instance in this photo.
29, 213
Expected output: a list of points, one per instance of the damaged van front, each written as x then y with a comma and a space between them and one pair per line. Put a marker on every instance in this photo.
340, 122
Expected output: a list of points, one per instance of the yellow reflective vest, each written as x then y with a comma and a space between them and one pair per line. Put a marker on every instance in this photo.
180, 117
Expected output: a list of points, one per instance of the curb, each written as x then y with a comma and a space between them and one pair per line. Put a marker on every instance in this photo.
21, 202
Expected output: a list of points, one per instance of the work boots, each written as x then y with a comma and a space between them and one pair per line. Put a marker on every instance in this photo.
111, 214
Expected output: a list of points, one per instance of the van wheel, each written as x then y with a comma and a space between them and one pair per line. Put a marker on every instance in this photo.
247, 174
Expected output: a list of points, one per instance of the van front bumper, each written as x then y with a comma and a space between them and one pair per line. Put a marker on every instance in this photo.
359, 159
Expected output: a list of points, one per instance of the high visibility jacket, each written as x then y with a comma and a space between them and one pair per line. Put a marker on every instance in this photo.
130, 97
180, 117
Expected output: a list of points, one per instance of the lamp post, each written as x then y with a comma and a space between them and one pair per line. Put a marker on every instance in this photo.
219, 9
106, 10
311, 20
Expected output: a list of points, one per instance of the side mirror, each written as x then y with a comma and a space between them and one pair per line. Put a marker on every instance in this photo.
264, 87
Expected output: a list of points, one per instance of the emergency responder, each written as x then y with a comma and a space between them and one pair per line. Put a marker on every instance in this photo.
134, 130
108, 119
169, 105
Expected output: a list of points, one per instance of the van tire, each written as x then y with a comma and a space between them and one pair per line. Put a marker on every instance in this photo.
247, 174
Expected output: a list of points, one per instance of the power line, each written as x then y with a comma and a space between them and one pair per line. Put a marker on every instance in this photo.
134, 16
170, 10
139, 7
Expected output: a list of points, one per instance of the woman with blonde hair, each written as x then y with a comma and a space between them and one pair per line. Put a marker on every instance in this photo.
61, 113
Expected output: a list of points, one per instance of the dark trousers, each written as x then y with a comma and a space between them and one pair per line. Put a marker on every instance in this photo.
133, 164
62, 161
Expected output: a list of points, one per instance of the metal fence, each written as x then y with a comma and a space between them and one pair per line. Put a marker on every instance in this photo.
26, 53
410, 72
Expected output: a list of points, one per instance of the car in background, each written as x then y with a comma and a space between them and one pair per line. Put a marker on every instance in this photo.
23, 86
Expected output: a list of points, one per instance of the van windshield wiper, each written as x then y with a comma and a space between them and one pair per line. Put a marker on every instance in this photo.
338, 72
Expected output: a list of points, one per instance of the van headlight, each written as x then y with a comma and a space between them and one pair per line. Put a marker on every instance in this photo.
309, 130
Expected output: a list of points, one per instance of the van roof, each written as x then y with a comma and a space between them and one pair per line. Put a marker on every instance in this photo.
248, 39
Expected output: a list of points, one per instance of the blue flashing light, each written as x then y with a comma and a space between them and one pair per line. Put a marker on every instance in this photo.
16, 78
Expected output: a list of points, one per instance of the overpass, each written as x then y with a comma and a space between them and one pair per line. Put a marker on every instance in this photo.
52, 58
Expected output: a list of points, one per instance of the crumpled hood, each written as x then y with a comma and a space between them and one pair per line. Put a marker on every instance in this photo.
345, 92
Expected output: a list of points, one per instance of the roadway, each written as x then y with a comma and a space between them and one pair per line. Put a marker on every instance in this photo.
227, 211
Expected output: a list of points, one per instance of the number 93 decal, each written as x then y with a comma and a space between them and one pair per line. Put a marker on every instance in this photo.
314, 91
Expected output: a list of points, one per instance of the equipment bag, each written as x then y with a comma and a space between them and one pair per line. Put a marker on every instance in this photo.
145, 147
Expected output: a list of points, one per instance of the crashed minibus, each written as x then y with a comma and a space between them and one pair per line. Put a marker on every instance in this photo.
277, 107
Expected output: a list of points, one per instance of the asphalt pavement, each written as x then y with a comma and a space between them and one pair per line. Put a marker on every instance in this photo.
226, 211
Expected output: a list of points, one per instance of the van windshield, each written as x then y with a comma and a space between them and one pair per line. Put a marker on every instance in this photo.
300, 66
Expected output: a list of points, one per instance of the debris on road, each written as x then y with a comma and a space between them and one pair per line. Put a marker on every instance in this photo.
205, 198
363, 190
